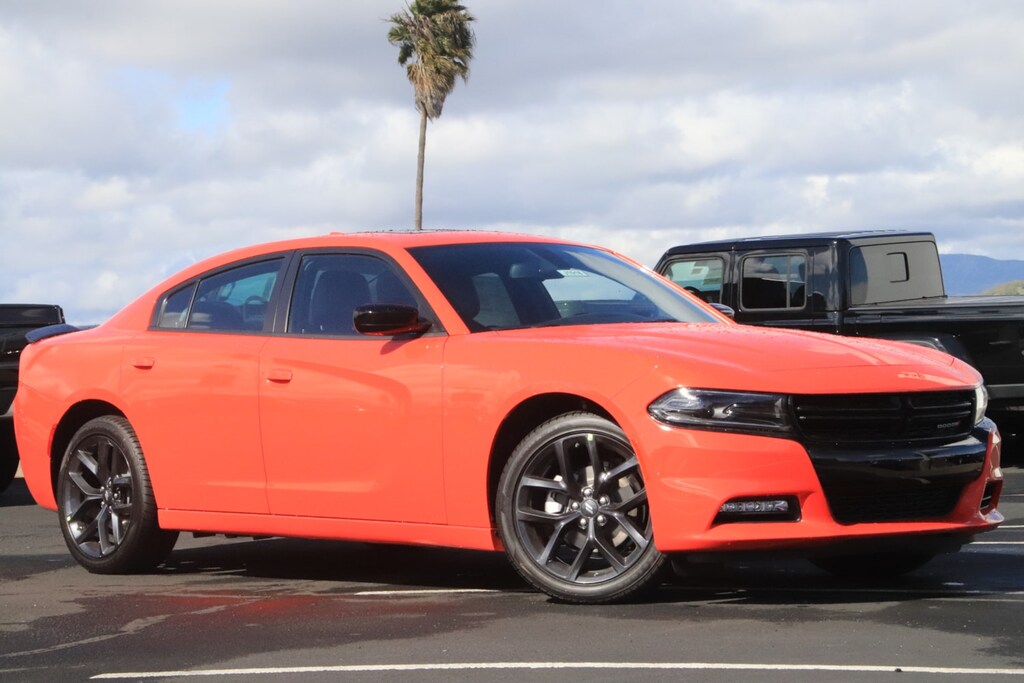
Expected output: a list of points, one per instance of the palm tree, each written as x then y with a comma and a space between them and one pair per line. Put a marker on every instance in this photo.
435, 44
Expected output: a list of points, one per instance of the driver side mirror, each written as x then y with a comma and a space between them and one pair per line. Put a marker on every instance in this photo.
389, 320
727, 311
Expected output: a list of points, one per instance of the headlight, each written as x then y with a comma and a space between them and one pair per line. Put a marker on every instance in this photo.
723, 411
980, 403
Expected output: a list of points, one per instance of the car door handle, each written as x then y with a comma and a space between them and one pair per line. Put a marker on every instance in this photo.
280, 376
143, 362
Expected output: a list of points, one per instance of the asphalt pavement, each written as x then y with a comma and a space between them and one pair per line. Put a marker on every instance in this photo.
311, 611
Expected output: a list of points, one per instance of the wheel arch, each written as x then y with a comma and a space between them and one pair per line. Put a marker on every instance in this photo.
76, 416
523, 419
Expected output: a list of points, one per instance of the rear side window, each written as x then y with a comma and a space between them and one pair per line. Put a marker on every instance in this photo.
702, 276
234, 300
881, 273
773, 281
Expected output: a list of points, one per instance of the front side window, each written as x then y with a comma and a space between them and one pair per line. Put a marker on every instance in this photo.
774, 281
699, 275
330, 287
500, 286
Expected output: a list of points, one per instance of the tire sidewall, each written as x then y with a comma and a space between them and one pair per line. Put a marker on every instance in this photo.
133, 551
636, 578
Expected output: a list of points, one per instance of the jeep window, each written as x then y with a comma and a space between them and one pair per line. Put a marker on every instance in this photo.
702, 276
883, 273
774, 281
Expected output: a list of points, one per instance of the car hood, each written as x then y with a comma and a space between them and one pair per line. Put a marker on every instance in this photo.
732, 356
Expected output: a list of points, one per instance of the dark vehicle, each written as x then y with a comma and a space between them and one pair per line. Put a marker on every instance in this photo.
884, 284
15, 321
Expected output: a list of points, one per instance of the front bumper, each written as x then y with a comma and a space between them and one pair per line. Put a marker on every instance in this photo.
844, 497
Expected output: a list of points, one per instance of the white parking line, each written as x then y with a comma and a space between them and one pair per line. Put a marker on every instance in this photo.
427, 591
997, 543
725, 591
551, 666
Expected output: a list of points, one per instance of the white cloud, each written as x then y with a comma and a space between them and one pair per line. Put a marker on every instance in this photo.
139, 137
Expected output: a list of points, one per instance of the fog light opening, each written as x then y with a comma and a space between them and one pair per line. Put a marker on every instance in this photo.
769, 509
990, 498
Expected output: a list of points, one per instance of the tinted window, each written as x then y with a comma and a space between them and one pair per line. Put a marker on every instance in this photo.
330, 287
773, 281
702, 276
174, 309
512, 285
234, 300
881, 273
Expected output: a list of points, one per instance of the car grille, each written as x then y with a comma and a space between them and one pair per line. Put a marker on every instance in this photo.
854, 505
871, 419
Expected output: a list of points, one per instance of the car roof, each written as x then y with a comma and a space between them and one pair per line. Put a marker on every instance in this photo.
812, 239
384, 240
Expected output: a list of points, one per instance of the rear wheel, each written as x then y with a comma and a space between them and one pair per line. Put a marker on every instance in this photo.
106, 506
874, 566
573, 515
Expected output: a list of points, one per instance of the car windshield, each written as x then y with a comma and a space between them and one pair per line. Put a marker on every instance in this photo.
502, 286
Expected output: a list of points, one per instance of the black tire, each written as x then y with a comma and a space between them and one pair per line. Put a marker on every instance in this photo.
872, 567
573, 515
105, 502
8, 454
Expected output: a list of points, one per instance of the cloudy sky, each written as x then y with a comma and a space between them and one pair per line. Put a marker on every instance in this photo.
139, 136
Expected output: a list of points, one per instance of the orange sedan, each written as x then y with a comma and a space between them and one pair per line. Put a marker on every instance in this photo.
495, 391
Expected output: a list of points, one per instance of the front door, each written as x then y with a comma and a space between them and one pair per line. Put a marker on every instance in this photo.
351, 424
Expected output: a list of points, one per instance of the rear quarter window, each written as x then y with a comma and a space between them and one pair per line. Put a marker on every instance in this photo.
882, 273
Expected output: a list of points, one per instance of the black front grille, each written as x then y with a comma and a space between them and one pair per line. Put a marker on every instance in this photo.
868, 419
855, 505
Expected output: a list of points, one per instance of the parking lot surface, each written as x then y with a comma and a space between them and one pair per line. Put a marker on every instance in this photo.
298, 610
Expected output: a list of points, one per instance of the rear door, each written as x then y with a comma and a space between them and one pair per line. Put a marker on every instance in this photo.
191, 382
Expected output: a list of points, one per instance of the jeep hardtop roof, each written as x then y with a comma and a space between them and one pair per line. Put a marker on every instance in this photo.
814, 239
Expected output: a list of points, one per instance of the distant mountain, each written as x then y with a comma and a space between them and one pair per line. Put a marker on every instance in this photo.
968, 274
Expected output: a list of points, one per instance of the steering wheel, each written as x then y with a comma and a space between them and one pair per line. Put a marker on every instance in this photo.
253, 307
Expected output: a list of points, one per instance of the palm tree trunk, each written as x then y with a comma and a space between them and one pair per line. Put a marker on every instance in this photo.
419, 169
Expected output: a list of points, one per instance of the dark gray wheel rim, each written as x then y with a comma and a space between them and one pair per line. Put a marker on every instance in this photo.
97, 496
581, 508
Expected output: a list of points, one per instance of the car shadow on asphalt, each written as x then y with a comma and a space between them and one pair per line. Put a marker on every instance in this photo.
348, 562
401, 568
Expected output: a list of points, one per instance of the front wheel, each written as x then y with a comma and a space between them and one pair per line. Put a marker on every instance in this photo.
106, 506
573, 515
